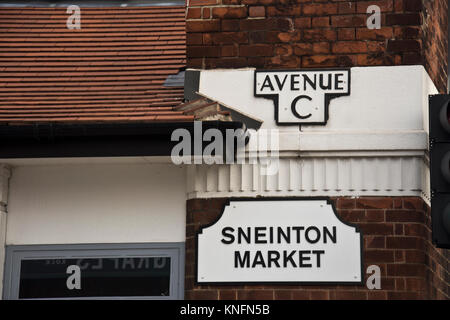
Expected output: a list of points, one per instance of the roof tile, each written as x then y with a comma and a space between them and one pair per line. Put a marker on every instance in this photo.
112, 69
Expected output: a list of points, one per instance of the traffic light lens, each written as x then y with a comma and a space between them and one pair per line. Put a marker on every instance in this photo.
444, 116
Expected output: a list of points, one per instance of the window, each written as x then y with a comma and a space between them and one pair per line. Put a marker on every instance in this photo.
122, 271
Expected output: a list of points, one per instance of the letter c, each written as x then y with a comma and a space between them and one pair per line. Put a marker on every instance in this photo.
294, 103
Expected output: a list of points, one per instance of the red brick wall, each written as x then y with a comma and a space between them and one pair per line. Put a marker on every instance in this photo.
314, 34
397, 237
435, 38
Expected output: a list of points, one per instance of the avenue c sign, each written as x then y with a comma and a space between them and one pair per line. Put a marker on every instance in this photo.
303, 96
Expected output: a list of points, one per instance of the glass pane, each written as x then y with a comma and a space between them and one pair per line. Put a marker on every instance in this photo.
95, 277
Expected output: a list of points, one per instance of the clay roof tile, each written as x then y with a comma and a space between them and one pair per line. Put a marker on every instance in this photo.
112, 69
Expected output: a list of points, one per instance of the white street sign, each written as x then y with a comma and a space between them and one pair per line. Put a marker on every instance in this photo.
301, 241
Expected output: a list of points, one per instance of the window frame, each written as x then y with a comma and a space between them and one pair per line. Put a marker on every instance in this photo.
16, 253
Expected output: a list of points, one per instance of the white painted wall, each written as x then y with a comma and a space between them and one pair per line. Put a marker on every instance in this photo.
359, 175
97, 203
381, 127
381, 99
389, 101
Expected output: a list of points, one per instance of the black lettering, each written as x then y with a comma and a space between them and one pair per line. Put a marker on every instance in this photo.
301, 259
240, 262
294, 106
318, 253
286, 236
337, 81
293, 82
287, 258
242, 234
227, 232
258, 260
306, 80
297, 230
271, 234
267, 83
307, 234
280, 85
260, 234
321, 82
326, 232
273, 257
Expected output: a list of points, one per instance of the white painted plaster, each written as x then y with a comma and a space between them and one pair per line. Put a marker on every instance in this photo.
97, 203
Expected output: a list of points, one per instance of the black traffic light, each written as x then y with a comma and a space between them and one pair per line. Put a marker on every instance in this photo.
439, 115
